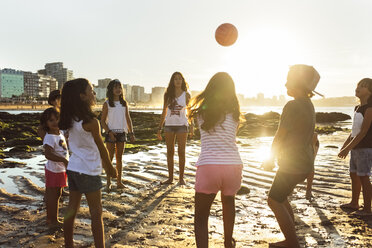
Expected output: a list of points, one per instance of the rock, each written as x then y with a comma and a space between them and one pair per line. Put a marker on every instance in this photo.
331, 117
11, 164
244, 190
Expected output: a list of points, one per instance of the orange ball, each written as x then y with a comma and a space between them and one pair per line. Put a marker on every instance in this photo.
226, 34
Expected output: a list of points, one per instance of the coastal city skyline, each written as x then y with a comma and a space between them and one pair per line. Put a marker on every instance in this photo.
145, 42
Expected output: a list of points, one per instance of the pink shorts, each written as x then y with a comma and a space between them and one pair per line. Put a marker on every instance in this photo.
53, 179
212, 178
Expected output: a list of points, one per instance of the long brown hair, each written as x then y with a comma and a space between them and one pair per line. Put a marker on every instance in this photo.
110, 93
217, 100
170, 93
367, 82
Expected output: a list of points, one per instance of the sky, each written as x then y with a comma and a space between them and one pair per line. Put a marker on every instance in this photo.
143, 42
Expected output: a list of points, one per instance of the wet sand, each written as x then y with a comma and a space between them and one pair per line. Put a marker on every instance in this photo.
146, 214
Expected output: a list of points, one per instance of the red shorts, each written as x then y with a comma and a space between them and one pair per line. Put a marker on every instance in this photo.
212, 178
53, 179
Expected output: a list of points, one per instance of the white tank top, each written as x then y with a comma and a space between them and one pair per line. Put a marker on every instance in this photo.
85, 157
177, 115
116, 118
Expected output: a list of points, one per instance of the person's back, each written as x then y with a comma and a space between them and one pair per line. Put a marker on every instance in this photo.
85, 157
297, 153
218, 146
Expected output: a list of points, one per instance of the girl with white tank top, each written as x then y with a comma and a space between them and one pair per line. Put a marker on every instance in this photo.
116, 122
88, 156
174, 116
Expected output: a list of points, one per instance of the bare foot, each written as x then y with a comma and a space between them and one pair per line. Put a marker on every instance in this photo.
363, 213
120, 185
108, 187
169, 181
55, 225
349, 206
308, 196
279, 244
182, 182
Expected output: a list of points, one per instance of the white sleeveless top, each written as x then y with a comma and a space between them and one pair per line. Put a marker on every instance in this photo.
85, 157
116, 118
177, 116
218, 145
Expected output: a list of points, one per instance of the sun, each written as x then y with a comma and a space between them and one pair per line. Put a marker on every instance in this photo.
260, 59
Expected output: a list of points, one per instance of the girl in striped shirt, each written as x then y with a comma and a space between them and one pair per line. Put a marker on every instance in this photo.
219, 166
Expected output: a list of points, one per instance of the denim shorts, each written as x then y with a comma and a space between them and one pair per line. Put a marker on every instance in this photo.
82, 182
361, 161
176, 129
120, 137
283, 185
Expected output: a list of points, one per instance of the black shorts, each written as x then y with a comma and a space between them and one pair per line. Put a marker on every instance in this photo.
120, 137
82, 182
283, 185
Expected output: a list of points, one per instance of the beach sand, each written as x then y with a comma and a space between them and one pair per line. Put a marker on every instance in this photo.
146, 214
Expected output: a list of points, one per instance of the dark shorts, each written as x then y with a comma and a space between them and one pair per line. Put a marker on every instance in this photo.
120, 137
82, 182
176, 129
283, 185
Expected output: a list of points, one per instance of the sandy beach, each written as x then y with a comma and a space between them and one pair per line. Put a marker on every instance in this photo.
147, 214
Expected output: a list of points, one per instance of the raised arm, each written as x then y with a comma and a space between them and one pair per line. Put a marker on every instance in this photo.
50, 154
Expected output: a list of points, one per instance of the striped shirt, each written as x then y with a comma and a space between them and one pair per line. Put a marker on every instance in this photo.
218, 146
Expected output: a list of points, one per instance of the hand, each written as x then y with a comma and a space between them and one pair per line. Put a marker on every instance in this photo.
343, 153
112, 136
159, 135
132, 137
65, 162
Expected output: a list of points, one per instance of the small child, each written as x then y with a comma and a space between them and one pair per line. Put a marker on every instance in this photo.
219, 167
359, 144
88, 156
56, 152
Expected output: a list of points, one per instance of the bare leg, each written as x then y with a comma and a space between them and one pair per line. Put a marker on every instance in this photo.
181, 141
52, 195
367, 193
228, 210
309, 185
119, 164
111, 150
203, 203
285, 221
68, 223
356, 187
170, 141
95, 209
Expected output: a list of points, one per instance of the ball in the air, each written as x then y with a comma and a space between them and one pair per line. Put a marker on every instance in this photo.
226, 34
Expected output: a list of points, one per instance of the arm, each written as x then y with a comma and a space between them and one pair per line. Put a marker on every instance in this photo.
94, 128
275, 148
130, 125
350, 143
103, 122
50, 154
191, 121
162, 119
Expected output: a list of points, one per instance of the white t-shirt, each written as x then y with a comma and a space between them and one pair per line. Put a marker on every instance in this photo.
59, 145
218, 145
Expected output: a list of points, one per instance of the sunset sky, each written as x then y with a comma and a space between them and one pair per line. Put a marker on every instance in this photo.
144, 42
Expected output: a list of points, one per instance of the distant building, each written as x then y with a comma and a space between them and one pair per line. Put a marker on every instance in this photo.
127, 92
138, 93
100, 92
146, 98
103, 83
57, 71
157, 95
46, 85
11, 83
31, 84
